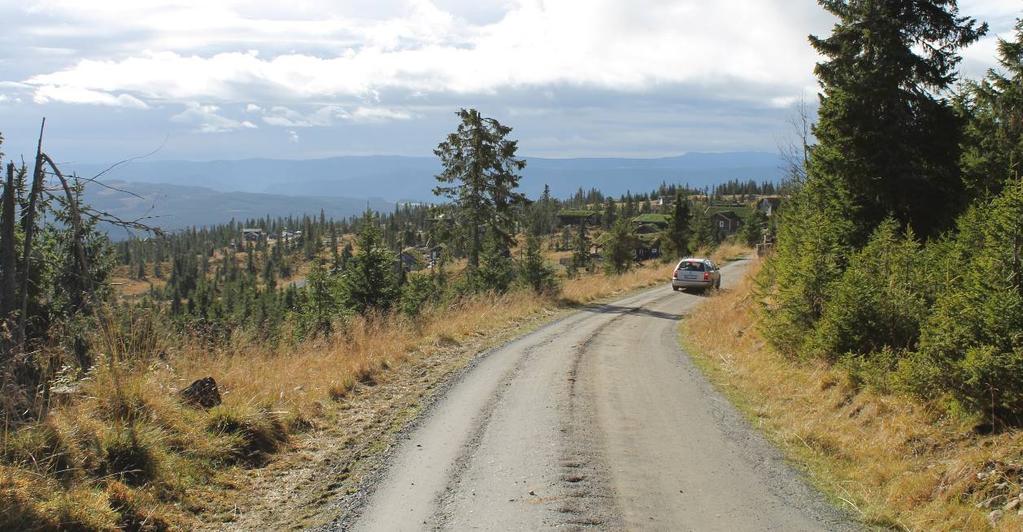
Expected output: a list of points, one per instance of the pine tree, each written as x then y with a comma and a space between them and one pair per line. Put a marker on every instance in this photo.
993, 111
497, 270
885, 128
678, 227
581, 249
369, 280
533, 271
480, 176
620, 247
608, 218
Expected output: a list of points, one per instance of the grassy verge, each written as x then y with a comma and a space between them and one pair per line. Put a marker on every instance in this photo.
123, 452
891, 460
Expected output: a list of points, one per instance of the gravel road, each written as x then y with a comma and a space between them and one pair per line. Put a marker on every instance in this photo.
597, 421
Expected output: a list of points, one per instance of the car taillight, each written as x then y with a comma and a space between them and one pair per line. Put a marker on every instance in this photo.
674, 275
706, 276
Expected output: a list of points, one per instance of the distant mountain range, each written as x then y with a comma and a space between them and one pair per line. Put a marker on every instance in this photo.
185, 193
173, 207
397, 178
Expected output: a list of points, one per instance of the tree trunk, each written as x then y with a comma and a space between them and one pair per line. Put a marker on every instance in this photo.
76, 224
28, 228
9, 264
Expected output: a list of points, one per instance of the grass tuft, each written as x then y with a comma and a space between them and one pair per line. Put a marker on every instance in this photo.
81, 509
252, 434
137, 510
42, 448
129, 456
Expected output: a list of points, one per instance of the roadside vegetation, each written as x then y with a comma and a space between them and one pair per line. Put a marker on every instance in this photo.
881, 339
890, 459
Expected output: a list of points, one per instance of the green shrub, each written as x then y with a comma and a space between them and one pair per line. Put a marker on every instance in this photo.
877, 371
971, 346
878, 303
496, 271
619, 247
417, 292
534, 272
813, 248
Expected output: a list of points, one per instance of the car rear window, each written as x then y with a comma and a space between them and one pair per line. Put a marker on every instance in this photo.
691, 266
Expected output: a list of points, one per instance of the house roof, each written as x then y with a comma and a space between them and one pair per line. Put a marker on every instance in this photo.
577, 213
652, 218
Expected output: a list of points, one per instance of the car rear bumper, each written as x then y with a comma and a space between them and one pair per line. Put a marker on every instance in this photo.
691, 283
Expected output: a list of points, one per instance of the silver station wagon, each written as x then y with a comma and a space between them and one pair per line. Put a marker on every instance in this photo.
696, 274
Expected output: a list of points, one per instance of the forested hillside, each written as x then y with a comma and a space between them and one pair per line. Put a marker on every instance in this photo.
892, 306
899, 256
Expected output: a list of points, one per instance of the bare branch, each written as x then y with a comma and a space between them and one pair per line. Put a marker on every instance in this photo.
130, 159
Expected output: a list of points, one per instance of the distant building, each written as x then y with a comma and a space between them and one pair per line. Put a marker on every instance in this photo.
412, 259
252, 234
658, 221
769, 204
726, 222
574, 217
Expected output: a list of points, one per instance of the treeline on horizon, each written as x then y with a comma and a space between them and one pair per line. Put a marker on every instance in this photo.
219, 283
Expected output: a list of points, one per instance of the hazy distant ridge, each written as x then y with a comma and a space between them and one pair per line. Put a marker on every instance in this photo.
412, 178
173, 207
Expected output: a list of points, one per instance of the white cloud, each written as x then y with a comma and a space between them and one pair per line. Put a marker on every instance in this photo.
378, 114
727, 49
206, 119
82, 95
253, 108
328, 115
292, 136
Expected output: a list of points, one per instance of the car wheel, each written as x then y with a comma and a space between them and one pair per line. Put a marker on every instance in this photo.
675, 288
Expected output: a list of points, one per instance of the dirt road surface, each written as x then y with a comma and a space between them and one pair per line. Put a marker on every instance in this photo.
597, 421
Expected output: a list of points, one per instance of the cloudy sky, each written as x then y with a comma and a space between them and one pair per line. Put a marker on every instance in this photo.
229, 79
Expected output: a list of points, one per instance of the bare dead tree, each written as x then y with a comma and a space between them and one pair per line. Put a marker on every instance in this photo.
15, 283
28, 229
76, 218
9, 263
795, 151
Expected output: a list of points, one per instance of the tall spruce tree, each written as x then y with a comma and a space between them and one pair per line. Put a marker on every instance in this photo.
993, 110
370, 278
480, 176
886, 128
678, 228
619, 247
581, 248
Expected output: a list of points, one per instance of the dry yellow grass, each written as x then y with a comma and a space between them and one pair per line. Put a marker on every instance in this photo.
727, 251
126, 443
891, 460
